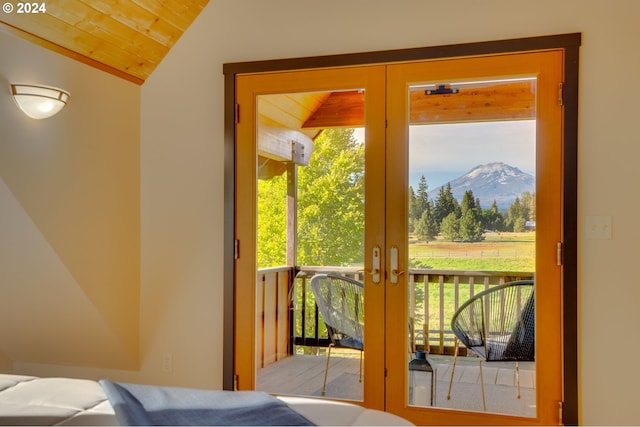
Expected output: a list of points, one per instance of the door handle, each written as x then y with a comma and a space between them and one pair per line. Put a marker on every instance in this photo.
393, 265
375, 265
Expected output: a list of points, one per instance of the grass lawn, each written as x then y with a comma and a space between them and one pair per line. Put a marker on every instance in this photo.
512, 252
498, 252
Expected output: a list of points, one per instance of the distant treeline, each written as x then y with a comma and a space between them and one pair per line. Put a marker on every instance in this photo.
467, 220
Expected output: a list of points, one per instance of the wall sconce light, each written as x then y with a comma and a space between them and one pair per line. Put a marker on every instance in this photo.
39, 102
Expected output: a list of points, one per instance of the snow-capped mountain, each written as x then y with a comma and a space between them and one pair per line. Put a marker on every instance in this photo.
492, 181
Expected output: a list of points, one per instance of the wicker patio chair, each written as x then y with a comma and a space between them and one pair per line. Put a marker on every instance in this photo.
340, 301
497, 324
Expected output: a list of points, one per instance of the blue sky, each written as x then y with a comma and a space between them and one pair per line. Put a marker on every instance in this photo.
444, 152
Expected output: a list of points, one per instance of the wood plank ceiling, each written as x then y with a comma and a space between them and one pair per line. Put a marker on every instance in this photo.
296, 118
472, 102
127, 38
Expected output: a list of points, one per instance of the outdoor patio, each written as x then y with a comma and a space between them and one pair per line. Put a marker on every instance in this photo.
303, 375
290, 321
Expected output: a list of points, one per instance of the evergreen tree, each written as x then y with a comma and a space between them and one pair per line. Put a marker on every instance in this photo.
445, 205
515, 214
426, 227
468, 202
470, 225
529, 206
421, 196
418, 205
450, 227
414, 213
492, 218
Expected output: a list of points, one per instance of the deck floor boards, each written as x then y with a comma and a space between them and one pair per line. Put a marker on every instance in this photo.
302, 375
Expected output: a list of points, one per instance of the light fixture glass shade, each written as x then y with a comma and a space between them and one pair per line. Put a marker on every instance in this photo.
39, 102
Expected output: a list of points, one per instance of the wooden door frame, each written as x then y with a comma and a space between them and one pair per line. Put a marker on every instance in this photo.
570, 43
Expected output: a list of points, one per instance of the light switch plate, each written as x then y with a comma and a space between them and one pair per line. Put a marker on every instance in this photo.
598, 227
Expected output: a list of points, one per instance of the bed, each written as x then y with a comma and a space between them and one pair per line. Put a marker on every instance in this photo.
28, 400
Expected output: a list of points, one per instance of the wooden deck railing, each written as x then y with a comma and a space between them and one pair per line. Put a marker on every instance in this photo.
273, 315
287, 314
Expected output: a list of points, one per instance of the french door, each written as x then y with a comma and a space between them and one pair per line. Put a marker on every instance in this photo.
261, 98
393, 98
537, 77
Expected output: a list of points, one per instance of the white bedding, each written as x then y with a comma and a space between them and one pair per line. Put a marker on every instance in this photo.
26, 400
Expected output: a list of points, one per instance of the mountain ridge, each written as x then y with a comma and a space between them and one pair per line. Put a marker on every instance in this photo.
491, 181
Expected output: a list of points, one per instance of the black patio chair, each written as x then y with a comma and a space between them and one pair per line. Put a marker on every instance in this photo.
340, 301
497, 324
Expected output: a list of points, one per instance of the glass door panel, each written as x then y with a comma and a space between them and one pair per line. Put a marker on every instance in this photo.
471, 226
312, 138
472, 143
311, 206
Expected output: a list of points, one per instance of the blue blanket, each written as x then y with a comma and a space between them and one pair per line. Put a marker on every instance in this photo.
137, 405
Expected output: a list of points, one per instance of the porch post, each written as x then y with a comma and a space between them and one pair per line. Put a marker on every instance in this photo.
292, 213
292, 242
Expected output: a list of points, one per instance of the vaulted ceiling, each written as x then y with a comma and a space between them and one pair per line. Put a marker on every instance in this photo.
127, 38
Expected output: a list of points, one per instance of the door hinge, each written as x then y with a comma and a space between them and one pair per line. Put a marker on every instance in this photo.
559, 253
561, 412
561, 94
236, 249
237, 113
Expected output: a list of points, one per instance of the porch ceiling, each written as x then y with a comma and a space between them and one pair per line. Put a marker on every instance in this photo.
311, 113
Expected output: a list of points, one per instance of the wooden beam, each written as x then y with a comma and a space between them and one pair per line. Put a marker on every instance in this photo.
276, 143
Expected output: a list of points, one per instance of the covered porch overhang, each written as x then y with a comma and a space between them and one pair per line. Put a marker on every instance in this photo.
288, 123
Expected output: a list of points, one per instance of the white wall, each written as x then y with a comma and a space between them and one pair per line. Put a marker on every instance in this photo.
69, 216
182, 161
